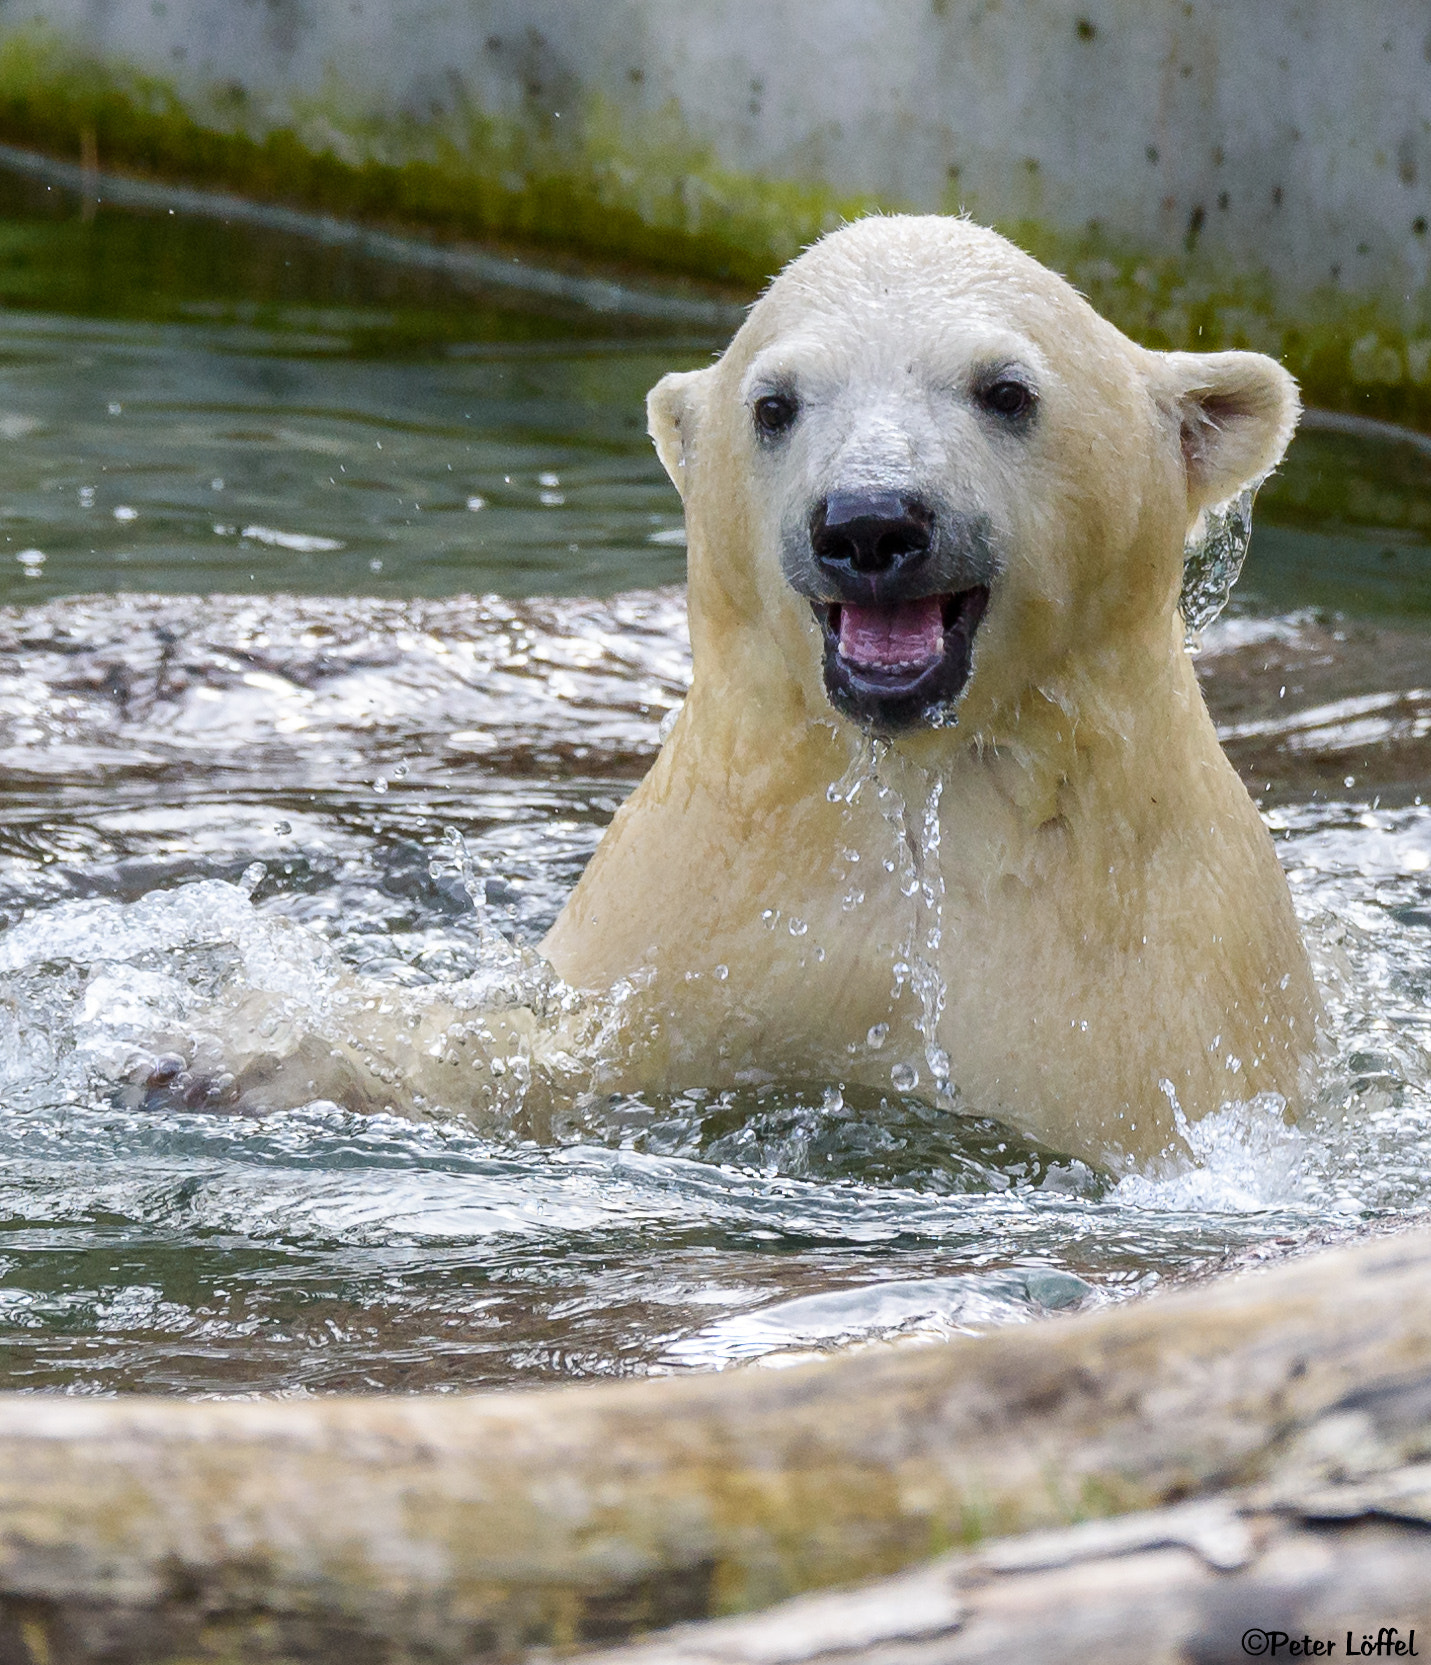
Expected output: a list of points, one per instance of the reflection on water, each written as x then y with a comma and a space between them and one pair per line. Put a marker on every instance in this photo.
189, 458
191, 407
379, 466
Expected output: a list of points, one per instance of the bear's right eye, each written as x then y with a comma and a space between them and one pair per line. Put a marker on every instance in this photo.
1008, 397
774, 412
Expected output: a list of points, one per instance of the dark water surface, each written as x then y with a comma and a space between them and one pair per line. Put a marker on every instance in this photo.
302, 563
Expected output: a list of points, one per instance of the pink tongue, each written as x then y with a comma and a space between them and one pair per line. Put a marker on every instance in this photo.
909, 634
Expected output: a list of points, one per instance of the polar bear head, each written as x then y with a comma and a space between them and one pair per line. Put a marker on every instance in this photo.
927, 476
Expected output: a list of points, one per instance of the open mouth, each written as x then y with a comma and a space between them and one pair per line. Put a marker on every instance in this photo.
899, 664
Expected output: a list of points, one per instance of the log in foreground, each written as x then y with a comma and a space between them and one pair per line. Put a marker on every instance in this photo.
432, 1529
1340, 1573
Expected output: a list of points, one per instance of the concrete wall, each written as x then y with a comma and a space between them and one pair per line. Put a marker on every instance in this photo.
1256, 169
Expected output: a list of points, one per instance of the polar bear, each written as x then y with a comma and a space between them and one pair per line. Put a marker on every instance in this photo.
944, 810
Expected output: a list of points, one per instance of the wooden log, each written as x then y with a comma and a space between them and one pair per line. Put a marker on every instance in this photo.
431, 1529
1200, 1584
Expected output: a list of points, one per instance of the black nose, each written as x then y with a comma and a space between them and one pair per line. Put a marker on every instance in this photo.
871, 531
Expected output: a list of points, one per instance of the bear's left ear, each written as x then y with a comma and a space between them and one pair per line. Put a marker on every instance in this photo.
1235, 414
671, 420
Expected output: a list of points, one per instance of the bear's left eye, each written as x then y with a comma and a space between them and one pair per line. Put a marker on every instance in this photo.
774, 412
1007, 397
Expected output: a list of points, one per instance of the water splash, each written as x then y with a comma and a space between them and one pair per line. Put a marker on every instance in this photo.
920, 878
1213, 555
150, 747
861, 769
195, 997
96, 995
1241, 1158
914, 860
454, 860
929, 982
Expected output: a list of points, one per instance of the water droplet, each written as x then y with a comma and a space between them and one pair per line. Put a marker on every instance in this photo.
721, 973
877, 1036
375, 565
125, 513
253, 876
282, 828
904, 1077
847, 788
834, 1100
669, 721
798, 927
380, 784
475, 502
768, 918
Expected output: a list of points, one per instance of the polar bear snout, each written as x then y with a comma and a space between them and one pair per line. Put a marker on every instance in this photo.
877, 547
898, 588
882, 533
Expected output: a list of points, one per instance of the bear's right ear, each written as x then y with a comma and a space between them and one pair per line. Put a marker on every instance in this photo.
1235, 414
671, 419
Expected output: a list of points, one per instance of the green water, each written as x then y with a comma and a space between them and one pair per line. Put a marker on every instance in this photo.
251, 494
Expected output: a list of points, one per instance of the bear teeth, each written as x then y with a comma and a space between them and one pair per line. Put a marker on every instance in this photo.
896, 636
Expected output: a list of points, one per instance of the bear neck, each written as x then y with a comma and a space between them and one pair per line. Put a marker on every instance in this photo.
1112, 748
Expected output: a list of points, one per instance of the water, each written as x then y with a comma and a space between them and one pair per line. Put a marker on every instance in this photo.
326, 660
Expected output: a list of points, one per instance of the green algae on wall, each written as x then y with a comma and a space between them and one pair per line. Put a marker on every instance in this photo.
1347, 351
639, 190
654, 200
